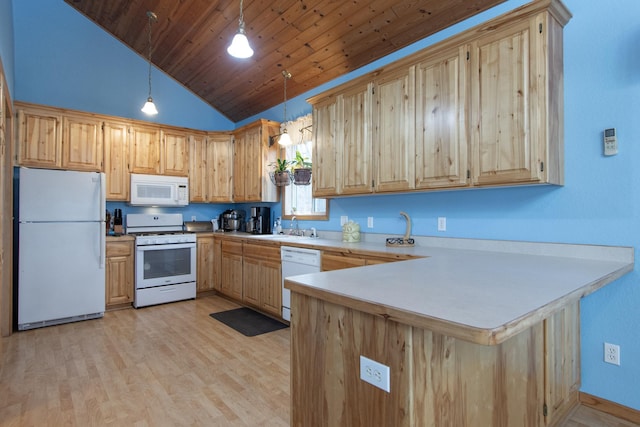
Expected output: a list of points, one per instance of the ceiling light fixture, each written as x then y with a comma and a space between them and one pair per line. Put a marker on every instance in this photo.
149, 107
239, 47
285, 139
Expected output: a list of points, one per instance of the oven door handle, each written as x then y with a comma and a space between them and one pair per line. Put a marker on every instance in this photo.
165, 247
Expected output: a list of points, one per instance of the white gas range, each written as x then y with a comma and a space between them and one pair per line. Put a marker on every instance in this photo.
165, 259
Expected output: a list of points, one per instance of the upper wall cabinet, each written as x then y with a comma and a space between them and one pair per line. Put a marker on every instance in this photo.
252, 157
210, 167
483, 108
343, 144
159, 151
82, 141
58, 139
145, 149
116, 159
516, 101
441, 135
394, 130
175, 158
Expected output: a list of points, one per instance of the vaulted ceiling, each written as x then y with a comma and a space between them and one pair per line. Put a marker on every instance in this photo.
316, 41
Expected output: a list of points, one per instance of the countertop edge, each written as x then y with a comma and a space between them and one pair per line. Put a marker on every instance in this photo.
484, 336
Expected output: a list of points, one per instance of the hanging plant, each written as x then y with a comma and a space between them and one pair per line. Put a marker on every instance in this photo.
281, 174
301, 170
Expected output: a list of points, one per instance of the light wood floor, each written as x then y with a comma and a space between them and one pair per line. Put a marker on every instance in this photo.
168, 365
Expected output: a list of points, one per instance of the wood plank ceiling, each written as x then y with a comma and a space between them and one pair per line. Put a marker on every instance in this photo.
316, 41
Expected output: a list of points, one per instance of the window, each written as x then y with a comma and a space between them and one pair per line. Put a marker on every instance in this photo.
297, 199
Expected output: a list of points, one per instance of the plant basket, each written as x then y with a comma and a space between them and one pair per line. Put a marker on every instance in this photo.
302, 176
280, 179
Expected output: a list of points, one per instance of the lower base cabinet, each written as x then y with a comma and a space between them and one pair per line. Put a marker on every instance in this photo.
119, 270
205, 270
531, 379
332, 260
231, 277
262, 278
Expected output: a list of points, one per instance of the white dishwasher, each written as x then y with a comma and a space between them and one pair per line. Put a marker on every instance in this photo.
296, 261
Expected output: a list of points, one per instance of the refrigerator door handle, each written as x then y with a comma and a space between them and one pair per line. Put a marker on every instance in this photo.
103, 219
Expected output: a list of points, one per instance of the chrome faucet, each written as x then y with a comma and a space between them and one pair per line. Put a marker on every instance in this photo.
296, 231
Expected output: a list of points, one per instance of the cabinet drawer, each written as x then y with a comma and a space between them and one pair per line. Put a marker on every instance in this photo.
337, 262
268, 253
115, 249
229, 247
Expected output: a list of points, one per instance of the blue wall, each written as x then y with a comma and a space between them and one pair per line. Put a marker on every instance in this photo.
599, 204
6, 41
65, 60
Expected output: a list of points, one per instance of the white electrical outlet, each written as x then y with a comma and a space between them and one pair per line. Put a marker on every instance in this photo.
442, 223
375, 373
612, 353
370, 222
193, 217
344, 219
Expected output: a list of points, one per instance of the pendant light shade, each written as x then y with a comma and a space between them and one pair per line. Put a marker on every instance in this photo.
149, 107
285, 139
239, 47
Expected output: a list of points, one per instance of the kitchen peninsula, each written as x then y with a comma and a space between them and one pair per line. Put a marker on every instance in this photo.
482, 335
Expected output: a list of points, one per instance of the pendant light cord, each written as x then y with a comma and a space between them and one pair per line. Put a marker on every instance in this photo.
152, 17
287, 76
241, 20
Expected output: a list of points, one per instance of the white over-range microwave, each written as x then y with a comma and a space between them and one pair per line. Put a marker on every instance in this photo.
158, 190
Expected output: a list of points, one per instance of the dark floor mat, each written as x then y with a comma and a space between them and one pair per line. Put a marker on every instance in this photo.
248, 322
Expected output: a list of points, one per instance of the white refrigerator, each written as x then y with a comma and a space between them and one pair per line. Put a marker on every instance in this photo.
61, 247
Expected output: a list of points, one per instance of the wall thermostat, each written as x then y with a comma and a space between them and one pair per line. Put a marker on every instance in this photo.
610, 142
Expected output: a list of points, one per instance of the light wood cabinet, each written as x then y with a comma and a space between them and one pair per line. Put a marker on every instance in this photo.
518, 382
504, 106
175, 154
119, 273
145, 149
483, 108
262, 278
82, 143
324, 168
116, 164
441, 134
252, 157
342, 150
205, 276
217, 263
210, 167
39, 137
231, 278
198, 172
337, 260
220, 167
6, 219
354, 145
54, 138
394, 134
159, 150
561, 362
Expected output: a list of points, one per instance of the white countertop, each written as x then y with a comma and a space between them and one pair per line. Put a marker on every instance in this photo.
483, 296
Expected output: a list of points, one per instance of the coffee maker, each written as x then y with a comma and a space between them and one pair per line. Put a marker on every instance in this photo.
260, 220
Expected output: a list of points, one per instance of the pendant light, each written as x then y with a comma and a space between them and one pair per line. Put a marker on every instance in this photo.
239, 47
285, 139
149, 107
